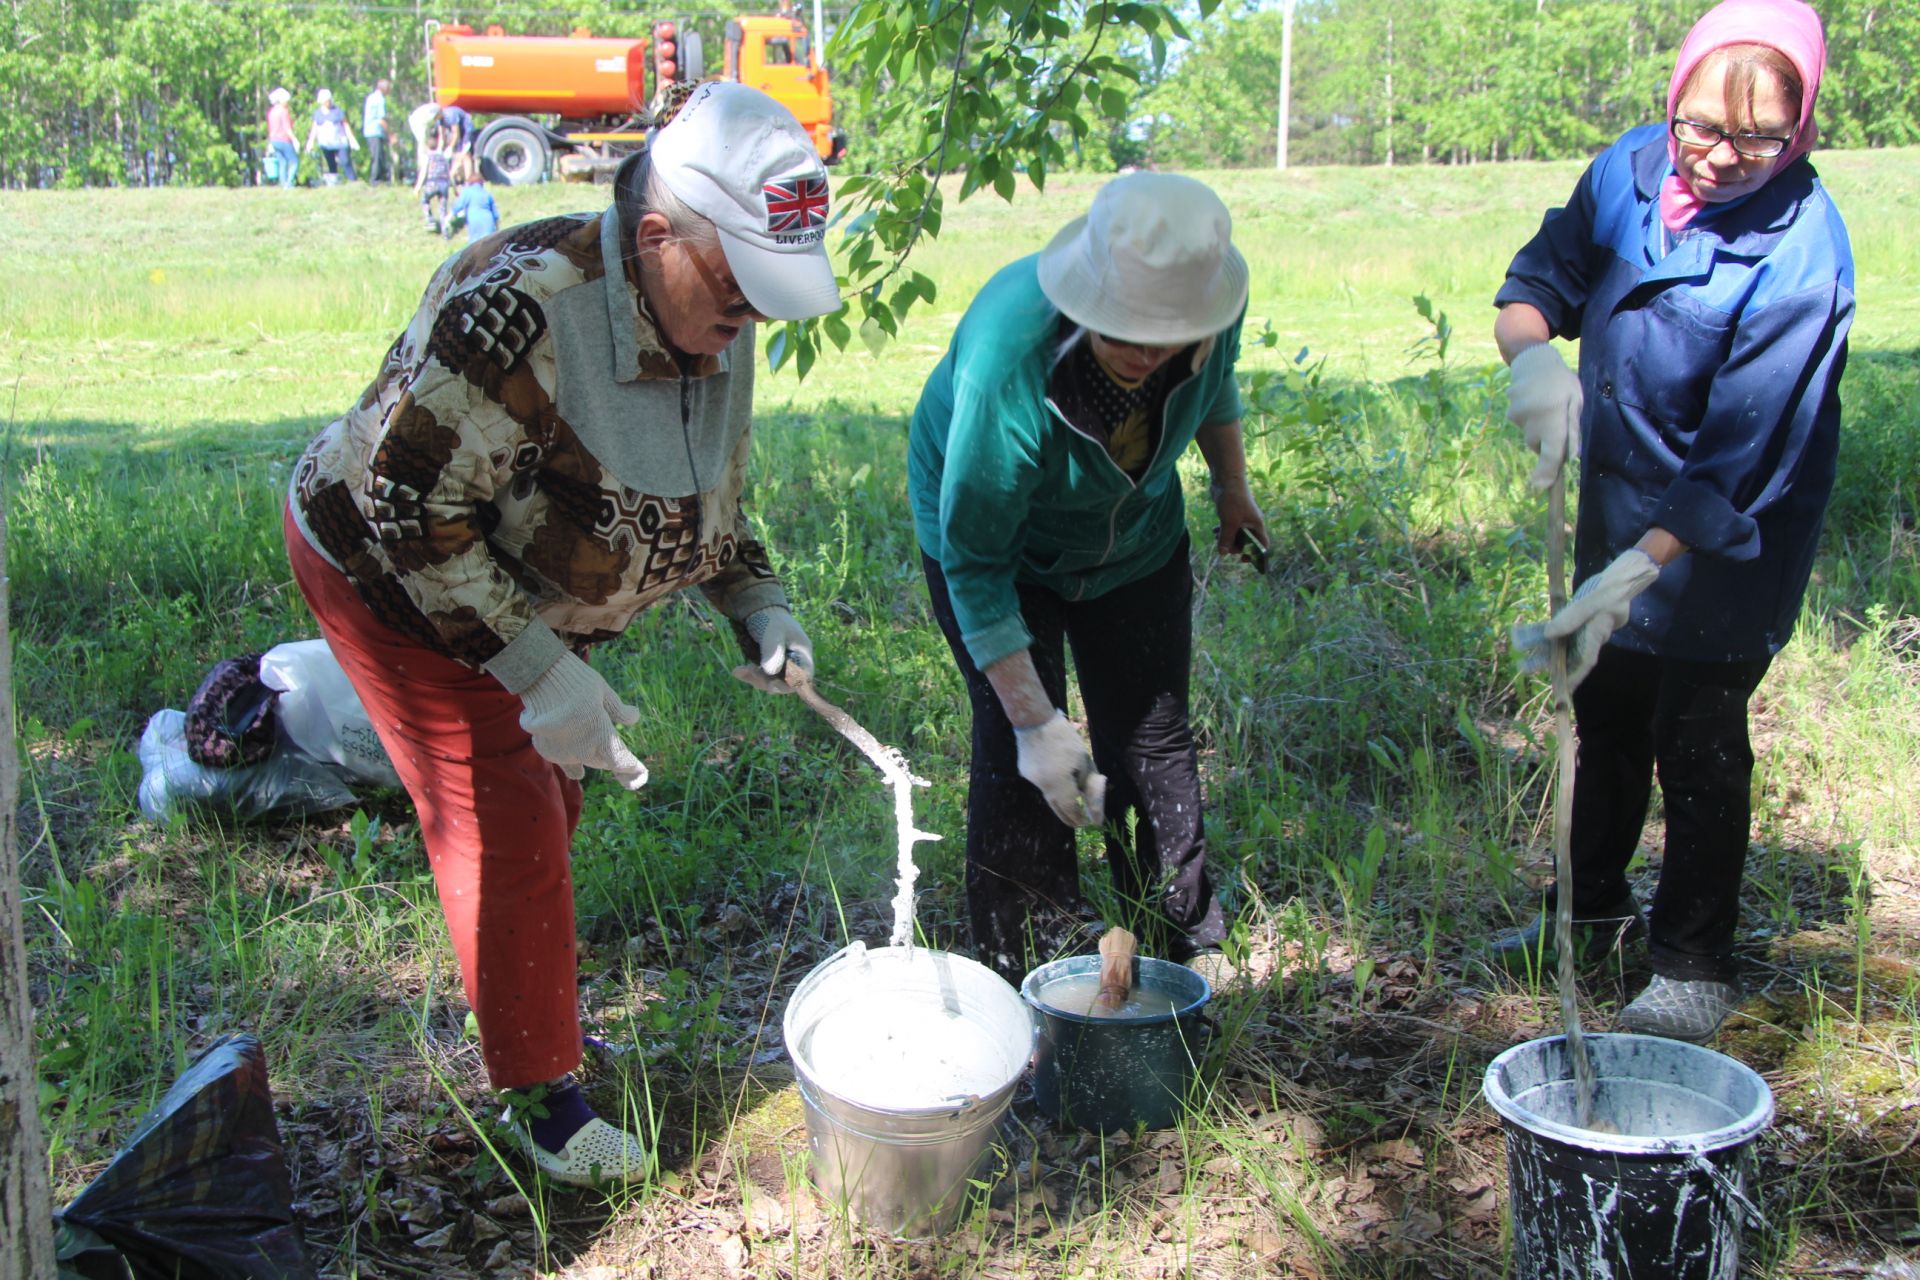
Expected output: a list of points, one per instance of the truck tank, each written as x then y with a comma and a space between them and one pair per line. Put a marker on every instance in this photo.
577, 78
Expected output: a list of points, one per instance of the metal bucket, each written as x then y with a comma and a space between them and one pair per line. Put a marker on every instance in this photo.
1112, 1073
1658, 1187
906, 1060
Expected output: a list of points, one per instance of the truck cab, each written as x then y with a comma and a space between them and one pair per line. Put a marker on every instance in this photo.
775, 56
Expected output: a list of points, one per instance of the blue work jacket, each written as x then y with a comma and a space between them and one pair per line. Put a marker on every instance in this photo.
1711, 374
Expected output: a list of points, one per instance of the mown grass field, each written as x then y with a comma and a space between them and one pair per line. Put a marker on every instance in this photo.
1377, 773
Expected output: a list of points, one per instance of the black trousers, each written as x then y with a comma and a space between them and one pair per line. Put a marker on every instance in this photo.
1635, 713
1132, 651
379, 159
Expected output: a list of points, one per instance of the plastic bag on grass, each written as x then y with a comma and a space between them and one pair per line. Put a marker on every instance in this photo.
320, 713
201, 1189
280, 732
285, 782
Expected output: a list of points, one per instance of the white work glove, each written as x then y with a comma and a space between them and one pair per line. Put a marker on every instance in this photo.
1598, 609
783, 645
571, 713
1544, 401
1054, 759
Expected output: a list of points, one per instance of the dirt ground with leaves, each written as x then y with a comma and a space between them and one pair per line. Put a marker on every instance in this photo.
1336, 1136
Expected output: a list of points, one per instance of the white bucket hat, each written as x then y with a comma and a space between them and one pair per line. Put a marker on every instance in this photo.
740, 159
1151, 262
325, 95
279, 95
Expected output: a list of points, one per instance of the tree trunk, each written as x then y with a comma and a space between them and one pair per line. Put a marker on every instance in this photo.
1389, 92
26, 1203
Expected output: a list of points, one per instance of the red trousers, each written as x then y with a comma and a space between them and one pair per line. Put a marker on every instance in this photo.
497, 819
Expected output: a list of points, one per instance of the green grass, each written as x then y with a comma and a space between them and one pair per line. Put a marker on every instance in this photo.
1377, 775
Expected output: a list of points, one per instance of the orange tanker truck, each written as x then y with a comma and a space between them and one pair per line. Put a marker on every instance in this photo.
598, 92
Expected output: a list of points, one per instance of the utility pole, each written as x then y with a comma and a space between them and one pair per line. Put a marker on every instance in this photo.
1286, 83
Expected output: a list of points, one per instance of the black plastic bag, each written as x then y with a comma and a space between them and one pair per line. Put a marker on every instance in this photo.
201, 1189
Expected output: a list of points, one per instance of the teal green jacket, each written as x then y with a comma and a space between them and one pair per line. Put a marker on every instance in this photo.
1004, 491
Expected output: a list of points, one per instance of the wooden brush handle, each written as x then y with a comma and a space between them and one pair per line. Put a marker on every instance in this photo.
1116, 968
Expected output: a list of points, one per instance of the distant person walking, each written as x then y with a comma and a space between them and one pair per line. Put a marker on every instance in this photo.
458, 126
333, 135
475, 205
1709, 279
373, 127
434, 184
282, 142
421, 123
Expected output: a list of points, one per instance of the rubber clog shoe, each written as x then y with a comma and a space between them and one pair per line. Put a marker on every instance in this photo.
1680, 1010
597, 1155
1227, 976
1531, 949
1220, 972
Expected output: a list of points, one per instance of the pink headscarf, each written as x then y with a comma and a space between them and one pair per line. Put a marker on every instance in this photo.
1784, 25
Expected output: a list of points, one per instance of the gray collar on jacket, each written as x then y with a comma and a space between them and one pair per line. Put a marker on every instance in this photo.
638, 350
624, 394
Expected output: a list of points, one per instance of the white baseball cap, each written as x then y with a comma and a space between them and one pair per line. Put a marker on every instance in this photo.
740, 159
1151, 262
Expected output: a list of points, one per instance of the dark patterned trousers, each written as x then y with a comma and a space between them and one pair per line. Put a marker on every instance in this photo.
1132, 650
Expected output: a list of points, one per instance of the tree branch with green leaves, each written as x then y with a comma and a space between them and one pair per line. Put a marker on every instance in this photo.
1012, 87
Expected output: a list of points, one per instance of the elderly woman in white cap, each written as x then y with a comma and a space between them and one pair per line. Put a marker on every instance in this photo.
333, 135
1043, 472
558, 440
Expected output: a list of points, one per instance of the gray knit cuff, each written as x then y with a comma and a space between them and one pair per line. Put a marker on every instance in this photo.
530, 655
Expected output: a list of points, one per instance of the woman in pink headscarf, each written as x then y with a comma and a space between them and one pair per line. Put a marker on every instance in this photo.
1708, 277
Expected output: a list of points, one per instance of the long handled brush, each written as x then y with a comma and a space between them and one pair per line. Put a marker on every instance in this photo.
1563, 802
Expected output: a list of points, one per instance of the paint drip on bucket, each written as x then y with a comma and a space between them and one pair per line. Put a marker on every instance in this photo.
1660, 1190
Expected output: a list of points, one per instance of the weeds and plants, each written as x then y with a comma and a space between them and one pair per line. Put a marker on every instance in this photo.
1375, 776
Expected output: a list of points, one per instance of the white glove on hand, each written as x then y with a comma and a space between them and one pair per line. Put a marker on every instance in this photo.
1544, 401
783, 645
1598, 609
1054, 759
571, 713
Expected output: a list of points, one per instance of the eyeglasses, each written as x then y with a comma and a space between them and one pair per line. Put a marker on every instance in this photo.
1757, 146
725, 289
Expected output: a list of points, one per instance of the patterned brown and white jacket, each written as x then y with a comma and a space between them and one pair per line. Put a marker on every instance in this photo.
531, 467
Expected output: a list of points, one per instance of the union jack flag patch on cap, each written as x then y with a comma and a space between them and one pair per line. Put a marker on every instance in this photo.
796, 204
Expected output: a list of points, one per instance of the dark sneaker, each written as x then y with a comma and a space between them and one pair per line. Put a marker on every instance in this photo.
1530, 949
1680, 1010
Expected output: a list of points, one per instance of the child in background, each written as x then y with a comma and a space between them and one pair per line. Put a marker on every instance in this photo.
436, 173
475, 204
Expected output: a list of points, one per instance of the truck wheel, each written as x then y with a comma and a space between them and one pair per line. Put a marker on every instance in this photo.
513, 152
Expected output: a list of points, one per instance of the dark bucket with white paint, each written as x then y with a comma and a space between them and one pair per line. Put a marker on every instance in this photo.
1108, 1073
1657, 1188
906, 1060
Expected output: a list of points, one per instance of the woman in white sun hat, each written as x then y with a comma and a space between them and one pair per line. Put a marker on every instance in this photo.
1046, 496
556, 442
